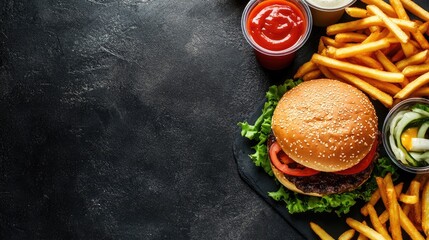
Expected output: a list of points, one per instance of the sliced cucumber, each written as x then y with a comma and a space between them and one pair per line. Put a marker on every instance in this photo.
421, 111
406, 119
420, 156
422, 130
396, 151
395, 121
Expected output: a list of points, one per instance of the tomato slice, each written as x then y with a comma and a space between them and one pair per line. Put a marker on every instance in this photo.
282, 161
363, 164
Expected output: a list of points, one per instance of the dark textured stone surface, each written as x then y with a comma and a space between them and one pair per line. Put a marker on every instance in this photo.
117, 120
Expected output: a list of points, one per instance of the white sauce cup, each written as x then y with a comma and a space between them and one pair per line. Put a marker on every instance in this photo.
327, 12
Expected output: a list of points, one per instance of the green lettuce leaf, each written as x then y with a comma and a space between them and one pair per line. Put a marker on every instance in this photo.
261, 129
298, 203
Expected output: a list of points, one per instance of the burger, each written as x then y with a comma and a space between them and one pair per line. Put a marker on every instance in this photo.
324, 138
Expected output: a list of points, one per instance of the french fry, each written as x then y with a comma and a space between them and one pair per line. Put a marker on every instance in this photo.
393, 39
361, 236
388, 88
398, 189
414, 70
383, 33
378, 226
357, 69
312, 75
389, 66
372, 91
421, 92
415, 190
393, 208
384, 217
388, 181
384, 60
394, 47
415, 185
327, 72
399, 9
405, 25
415, 9
373, 29
415, 43
359, 49
350, 37
367, 61
423, 178
383, 194
418, 36
408, 48
413, 60
419, 22
320, 46
364, 229
407, 209
304, 69
320, 232
327, 41
423, 27
413, 86
356, 12
385, 7
393, 27
375, 196
373, 36
408, 199
330, 51
408, 226
425, 209
368, 22
347, 235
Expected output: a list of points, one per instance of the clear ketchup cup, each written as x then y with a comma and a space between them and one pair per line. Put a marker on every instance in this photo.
276, 29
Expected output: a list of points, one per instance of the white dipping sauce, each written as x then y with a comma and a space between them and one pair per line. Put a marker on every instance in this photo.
328, 4
327, 12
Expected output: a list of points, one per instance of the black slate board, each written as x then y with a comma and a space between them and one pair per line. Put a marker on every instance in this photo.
262, 183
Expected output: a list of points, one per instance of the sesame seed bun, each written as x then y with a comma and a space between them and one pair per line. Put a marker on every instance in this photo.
325, 124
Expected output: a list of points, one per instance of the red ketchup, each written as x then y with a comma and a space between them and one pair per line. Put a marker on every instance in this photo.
276, 26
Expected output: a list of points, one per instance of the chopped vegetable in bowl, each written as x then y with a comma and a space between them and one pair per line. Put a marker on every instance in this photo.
406, 136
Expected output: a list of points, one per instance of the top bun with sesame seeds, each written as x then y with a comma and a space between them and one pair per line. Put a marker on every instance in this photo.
325, 124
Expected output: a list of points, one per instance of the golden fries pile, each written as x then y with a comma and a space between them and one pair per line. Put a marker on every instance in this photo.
383, 52
403, 212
